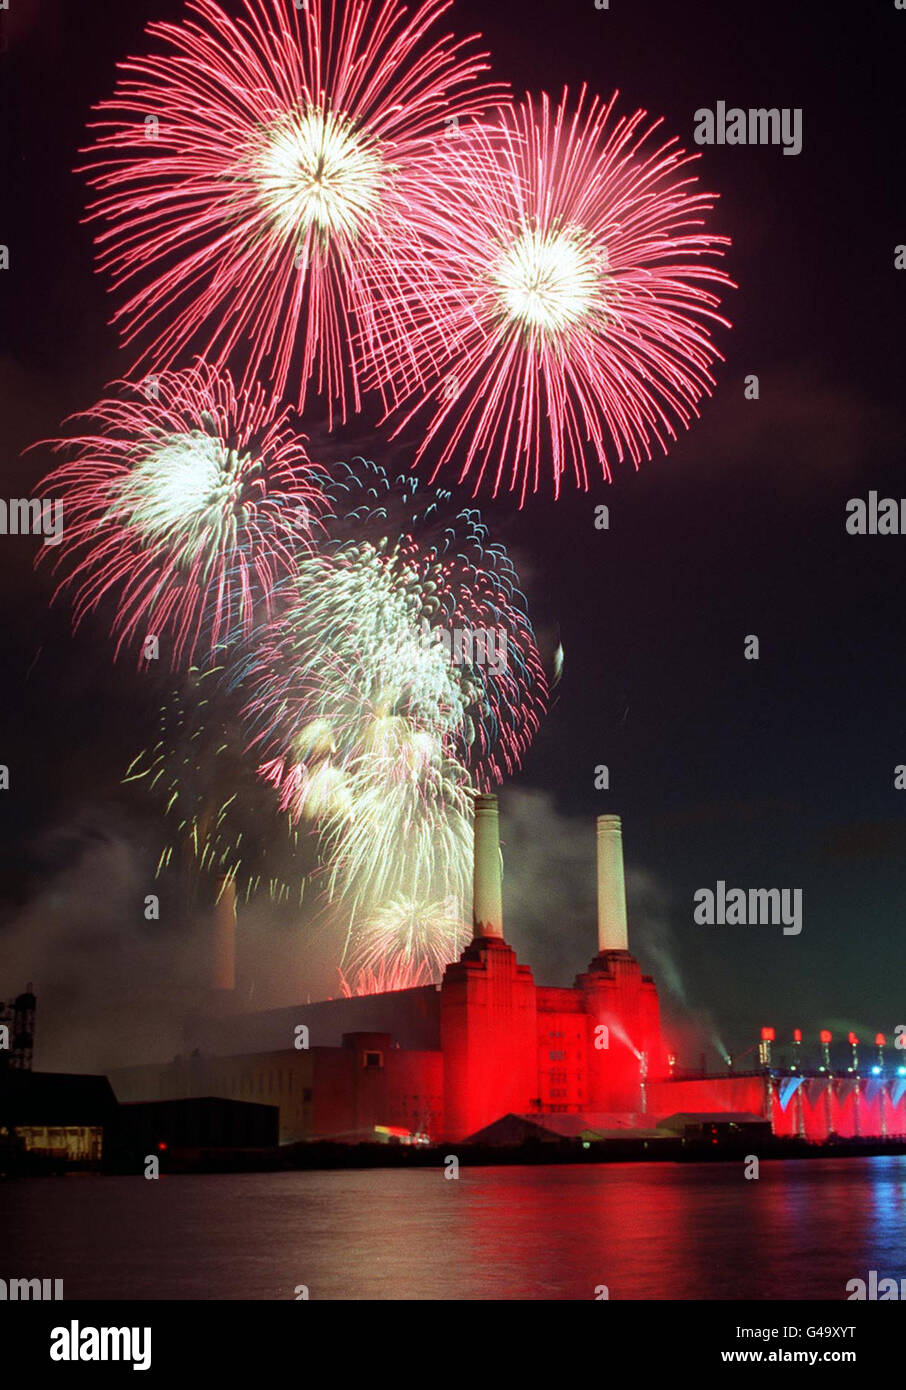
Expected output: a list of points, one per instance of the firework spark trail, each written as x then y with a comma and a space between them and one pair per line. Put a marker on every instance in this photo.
406, 835
471, 604
268, 179
371, 730
383, 831
385, 978
406, 939
346, 649
581, 289
188, 503
223, 821
350, 713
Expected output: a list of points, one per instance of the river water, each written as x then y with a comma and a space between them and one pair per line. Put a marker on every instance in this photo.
645, 1231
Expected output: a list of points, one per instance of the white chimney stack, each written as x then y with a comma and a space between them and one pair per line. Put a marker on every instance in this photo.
612, 934
487, 904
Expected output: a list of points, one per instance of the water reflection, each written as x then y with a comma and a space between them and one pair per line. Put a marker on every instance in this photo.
653, 1231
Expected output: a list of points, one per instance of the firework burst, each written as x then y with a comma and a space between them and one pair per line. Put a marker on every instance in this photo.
345, 662
385, 829
581, 288
470, 606
351, 712
384, 978
375, 709
224, 822
188, 504
408, 834
406, 942
269, 178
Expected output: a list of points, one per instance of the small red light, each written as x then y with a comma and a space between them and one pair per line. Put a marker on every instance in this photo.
880, 1040
852, 1039
767, 1035
797, 1035
161, 1146
825, 1036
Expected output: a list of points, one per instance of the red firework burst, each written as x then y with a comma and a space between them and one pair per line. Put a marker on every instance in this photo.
270, 177
580, 293
386, 977
187, 502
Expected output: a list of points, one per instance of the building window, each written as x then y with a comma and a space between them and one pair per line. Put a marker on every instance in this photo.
372, 1060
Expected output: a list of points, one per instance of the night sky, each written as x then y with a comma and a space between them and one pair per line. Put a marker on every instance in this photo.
778, 772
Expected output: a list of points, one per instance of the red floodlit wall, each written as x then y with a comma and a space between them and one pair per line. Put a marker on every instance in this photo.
618, 997
799, 1108
489, 1038
870, 1107
845, 1109
711, 1094
815, 1107
346, 1106
368, 1082
785, 1121
509, 1047
562, 1050
415, 1092
895, 1109
849, 1108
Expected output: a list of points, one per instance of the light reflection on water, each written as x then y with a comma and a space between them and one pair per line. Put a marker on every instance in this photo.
688, 1231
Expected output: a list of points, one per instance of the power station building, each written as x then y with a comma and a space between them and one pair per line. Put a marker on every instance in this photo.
490, 1054
444, 1062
